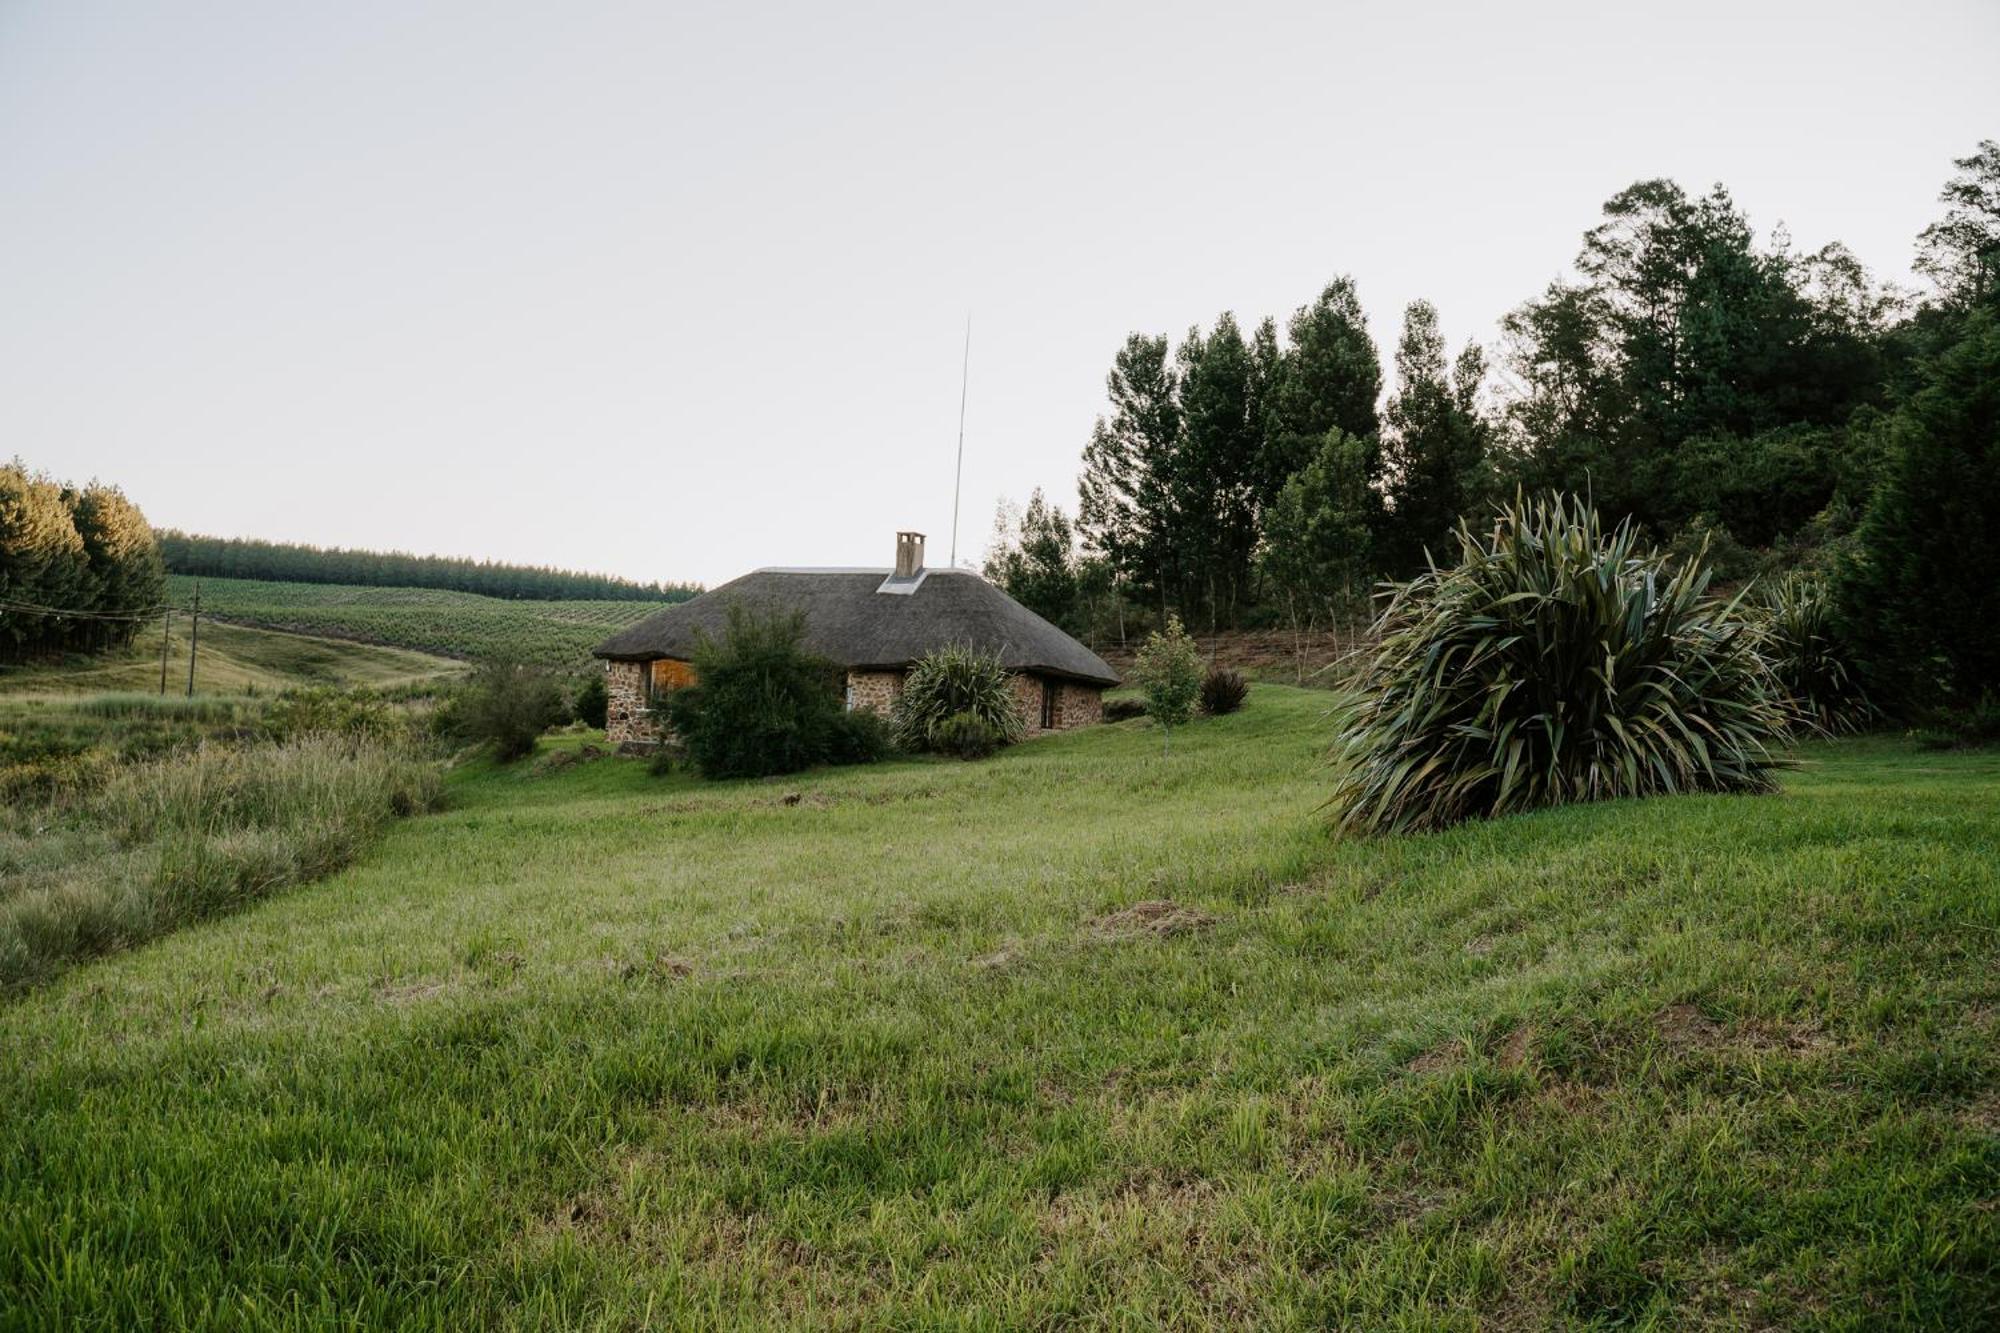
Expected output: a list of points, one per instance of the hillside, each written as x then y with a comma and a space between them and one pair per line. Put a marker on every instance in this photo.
1079, 1035
452, 624
230, 659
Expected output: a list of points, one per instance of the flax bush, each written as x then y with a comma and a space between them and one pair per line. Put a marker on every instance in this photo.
1554, 662
947, 692
1800, 642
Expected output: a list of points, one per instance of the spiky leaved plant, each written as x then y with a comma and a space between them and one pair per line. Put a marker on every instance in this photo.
1800, 642
946, 683
1554, 663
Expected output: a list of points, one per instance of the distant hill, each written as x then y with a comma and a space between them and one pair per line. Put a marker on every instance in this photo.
558, 633
285, 562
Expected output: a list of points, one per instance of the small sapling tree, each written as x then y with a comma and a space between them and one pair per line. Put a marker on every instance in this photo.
1169, 673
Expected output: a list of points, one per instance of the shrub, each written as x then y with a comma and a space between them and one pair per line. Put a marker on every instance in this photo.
948, 683
1168, 669
1223, 691
762, 704
1123, 710
1799, 642
590, 703
508, 705
967, 735
1554, 663
323, 711
860, 736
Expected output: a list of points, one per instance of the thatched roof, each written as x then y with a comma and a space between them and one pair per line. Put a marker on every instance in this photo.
861, 618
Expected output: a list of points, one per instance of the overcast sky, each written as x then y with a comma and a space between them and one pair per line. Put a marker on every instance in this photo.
674, 290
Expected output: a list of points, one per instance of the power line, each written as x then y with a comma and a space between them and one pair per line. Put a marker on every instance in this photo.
71, 613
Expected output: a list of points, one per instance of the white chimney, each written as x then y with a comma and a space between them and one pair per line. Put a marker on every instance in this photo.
909, 554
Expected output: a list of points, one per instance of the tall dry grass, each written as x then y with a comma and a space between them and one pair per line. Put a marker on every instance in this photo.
164, 843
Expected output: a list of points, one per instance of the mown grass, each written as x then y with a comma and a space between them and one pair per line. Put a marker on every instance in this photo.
1078, 1035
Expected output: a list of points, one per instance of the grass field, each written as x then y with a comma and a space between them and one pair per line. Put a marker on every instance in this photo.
453, 624
1078, 1035
230, 659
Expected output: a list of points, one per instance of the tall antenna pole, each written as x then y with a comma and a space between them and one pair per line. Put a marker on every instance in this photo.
958, 478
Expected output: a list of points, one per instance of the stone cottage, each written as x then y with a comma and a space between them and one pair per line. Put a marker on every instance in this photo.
872, 624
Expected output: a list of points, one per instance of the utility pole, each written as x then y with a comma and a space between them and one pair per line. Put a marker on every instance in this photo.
194, 635
166, 632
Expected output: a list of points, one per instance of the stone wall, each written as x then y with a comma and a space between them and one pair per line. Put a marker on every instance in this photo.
626, 721
1075, 705
875, 691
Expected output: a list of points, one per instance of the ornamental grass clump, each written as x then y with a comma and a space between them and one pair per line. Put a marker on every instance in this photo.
949, 690
1554, 663
1803, 648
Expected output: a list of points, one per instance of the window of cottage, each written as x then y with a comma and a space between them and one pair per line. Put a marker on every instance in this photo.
664, 674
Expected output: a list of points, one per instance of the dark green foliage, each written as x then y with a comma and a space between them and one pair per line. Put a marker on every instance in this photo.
1920, 598
87, 553
966, 735
589, 704
1683, 329
1223, 691
1961, 251
763, 703
1554, 663
1800, 641
1035, 562
291, 562
860, 736
951, 682
507, 704
1124, 709
1435, 448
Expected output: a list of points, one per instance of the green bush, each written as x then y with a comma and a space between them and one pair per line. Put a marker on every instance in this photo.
1223, 691
860, 736
590, 703
947, 684
763, 704
1799, 641
1124, 709
967, 735
506, 704
324, 711
1168, 669
1554, 663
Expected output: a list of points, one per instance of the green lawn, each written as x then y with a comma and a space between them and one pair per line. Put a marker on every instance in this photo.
598, 1049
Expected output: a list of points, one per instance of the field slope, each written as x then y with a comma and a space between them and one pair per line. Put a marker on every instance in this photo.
429, 620
231, 659
1079, 1035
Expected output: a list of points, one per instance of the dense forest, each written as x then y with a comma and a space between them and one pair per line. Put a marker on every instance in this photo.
1779, 410
285, 562
78, 566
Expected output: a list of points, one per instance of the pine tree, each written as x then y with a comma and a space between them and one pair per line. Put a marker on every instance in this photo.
1124, 510
1318, 539
1435, 447
1214, 474
1921, 596
1328, 377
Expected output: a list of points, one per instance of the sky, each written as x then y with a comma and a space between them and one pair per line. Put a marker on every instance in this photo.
673, 291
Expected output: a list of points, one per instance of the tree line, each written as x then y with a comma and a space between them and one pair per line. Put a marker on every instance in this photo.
79, 566
1778, 408
291, 562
